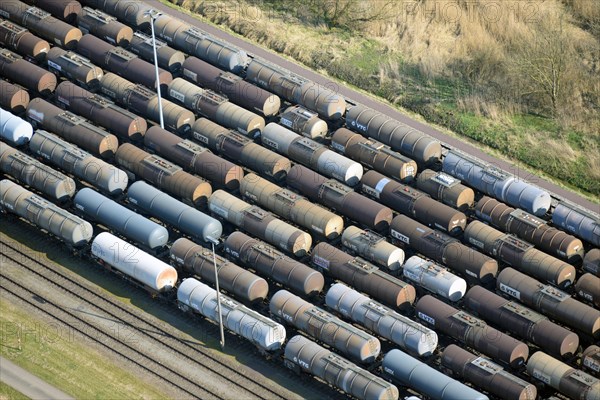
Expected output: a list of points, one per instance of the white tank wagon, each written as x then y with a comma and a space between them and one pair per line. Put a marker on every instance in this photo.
172, 211
497, 183
325, 327
406, 333
373, 247
311, 154
262, 331
35, 174
337, 371
61, 223
577, 221
434, 278
78, 162
409, 371
120, 219
14, 129
133, 262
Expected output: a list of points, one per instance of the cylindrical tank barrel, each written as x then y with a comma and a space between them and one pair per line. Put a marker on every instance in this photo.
234, 87
384, 321
529, 227
591, 262
590, 358
22, 41
164, 207
35, 174
131, 12
415, 374
373, 247
374, 154
363, 276
14, 129
337, 371
303, 122
194, 158
324, 326
587, 287
487, 375
550, 301
104, 26
46, 215
12, 97
236, 280
80, 163
443, 249
74, 67
522, 321
260, 223
339, 197
446, 188
519, 254
120, 219
24, 73
291, 206
434, 278
571, 382
168, 58
67, 10
269, 261
577, 221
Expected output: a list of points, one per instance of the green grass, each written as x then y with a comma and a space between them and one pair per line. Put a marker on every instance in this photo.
8, 393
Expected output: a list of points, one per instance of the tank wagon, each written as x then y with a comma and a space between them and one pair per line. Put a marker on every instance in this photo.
144, 102
577, 221
74, 67
413, 203
302, 353
104, 26
363, 276
41, 23
324, 327
165, 208
590, 358
446, 189
259, 223
374, 155
434, 278
167, 57
587, 287
120, 219
81, 164
550, 301
128, 11
312, 154
497, 183
400, 137
167, 176
373, 247
73, 128
122, 62
268, 261
409, 371
134, 263
444, 249
196, 42
530, 228
232, 86
37, 210
13, 129
291, 206
212, 105
519, 254
12, 98
591, 262
304, 122
521, 321
471, 331
24, 73
19, 39
240, 148
194, 158
340, 198
67, 10
487, 375
406, 333
326, 102
35, 174
263, 332
571, 382
236, 280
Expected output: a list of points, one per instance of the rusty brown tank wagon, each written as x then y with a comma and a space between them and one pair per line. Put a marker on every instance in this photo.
303, 121
24, 73
168, 58
446, 189
13, 98
131, 12
587, 288
66, 10
19, 39
74, 67
104, 26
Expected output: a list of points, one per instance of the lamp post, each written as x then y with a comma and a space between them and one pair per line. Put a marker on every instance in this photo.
213, 242
154, 14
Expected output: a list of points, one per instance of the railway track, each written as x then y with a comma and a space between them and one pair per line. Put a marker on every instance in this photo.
119, 312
